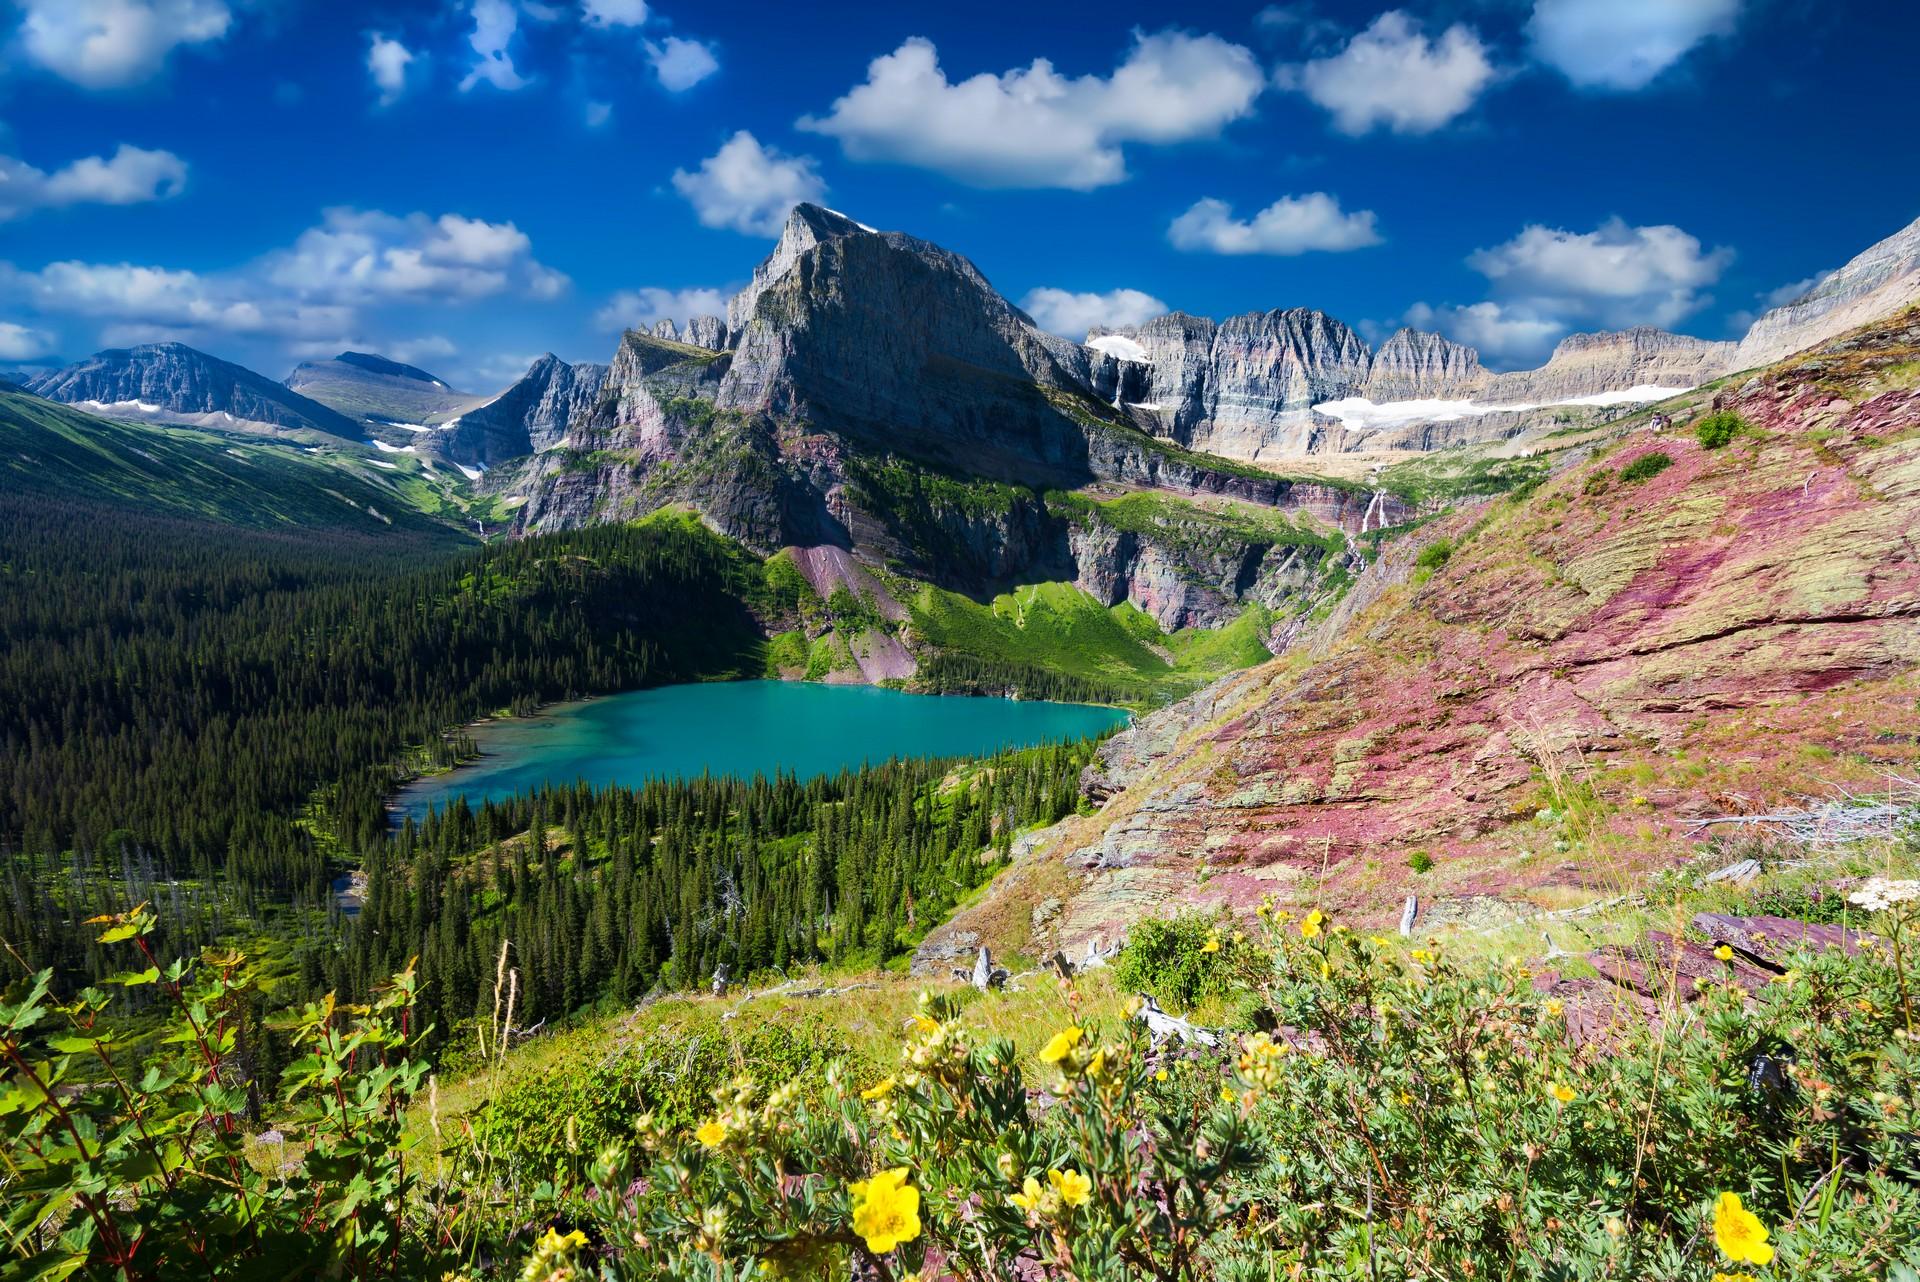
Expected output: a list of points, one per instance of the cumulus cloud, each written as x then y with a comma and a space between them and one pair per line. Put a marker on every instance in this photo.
494, 24
1393, 76
1033, 127
1503, 336
681, 64
1791, 292
651, 303
1623, 45
365, 256
318, 289
387, 62
1617, 275
747, 187
108, 44
20, 343
598, 114
1290, 225
131, 176
614, 13
1071, 314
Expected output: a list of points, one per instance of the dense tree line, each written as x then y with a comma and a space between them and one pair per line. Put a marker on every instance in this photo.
951, 672
608, 893
226, 705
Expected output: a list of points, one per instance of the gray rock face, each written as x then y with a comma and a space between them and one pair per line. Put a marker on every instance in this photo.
377, 390
1877, 283
174, 382
709, 332
1589, 364
1415, 365
531, 415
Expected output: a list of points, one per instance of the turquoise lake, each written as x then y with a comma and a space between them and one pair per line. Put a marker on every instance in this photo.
742, 728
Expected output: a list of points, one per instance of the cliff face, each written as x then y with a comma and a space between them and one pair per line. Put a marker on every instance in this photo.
1414, 365
532, 415
1592, 364
1588, 672
174, 382
1879, 282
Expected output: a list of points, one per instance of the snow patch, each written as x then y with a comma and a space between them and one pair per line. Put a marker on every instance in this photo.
142, 407
471, 473
381, 463
517, 500
1359, 412
385, 448
855, 221
1145, 405
1118, 346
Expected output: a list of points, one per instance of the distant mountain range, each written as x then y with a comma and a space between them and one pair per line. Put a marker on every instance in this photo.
174, 383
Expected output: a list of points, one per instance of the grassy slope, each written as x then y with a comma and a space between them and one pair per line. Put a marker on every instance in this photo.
50, 450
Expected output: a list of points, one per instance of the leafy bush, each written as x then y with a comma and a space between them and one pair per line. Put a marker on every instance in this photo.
1645, 468
1180, 962
1435, 554
1420, 861
114, 1172
1719, 428
1598, 483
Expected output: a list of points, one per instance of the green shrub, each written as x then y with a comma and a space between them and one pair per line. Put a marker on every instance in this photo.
1420, 861
1645, 468
1435, 554
1180, 962
1719, 428
1598, 483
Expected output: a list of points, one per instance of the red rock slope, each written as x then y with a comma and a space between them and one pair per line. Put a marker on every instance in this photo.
1596, 664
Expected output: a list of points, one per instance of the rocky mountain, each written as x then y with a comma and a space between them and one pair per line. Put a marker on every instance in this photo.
1877, 283
171, 382
709, 332
530, 416
882, 399
1659, 633
1585, 365
378, 391
1414, 365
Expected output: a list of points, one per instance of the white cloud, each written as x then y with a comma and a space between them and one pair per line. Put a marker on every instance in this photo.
1624, 44
1617, 275
748, 187
1071, 314
1290, 225
1391, 75
1780, 296
614, 13
316, 290
133, 175
427, 347
494, 24
598, 114
681, 64
1032, 127
108, 44
651, 303
1503, 336
387, 62
19, 343
361, 256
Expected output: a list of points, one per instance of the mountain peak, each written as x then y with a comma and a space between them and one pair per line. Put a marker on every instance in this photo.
376, 364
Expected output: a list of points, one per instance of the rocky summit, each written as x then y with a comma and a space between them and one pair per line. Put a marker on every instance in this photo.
378, 391
171, 382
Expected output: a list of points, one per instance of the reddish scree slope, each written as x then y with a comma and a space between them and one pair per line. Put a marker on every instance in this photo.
1740, 629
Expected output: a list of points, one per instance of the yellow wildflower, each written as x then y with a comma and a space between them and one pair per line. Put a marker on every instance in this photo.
1073, 1187
1159, 1074
1063, 1044
1213, 942
879, 1090
1724, 953
1028, 1198
1562, 1092
1555, 1006
712, 1133
1739, 1233
552, 1258
886, 1210
1735, 1277
1310, 924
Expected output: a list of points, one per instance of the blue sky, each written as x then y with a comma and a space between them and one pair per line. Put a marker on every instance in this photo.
468, 183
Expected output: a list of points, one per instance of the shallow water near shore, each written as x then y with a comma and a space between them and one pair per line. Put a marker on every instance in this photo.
741, 728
